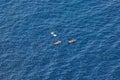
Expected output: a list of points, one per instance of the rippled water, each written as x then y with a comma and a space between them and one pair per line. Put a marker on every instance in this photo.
27, 51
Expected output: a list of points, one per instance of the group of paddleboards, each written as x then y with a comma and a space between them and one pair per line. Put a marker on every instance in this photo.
59, 42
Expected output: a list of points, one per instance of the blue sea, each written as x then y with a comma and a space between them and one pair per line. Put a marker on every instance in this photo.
27, 50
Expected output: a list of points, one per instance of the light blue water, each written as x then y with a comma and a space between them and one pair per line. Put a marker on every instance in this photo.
27, 51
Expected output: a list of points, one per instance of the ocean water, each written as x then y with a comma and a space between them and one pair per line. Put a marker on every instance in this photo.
27, 50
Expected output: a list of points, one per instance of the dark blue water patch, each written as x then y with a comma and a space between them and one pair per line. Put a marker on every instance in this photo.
4, 2
27, 50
